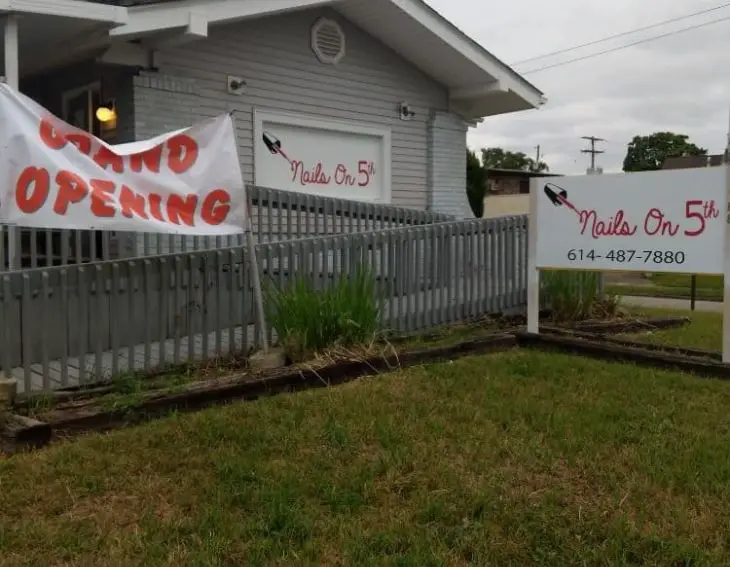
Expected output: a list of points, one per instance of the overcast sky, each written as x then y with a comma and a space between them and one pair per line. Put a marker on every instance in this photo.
680, 83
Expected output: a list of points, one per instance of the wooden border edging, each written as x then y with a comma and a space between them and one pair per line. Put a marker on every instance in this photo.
629, 325
241, 387
685, 351
604, 350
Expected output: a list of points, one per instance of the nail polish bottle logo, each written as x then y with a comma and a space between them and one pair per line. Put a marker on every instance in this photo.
273, 144
559, 196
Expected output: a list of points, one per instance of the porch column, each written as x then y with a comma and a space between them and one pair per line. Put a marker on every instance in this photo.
12, 77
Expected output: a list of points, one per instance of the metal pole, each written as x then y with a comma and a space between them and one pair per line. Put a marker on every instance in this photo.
12, 78
726, 267
692, 291
258, 296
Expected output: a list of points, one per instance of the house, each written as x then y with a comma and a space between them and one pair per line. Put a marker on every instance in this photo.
369, 99
687, 162
508, 191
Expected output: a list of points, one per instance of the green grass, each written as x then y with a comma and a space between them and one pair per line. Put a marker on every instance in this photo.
570, 295
521, 458
708, 288
704, 331
308, 319
671, 292
683, 281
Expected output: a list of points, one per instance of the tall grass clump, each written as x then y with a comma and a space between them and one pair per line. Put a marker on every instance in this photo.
574, 296
309, 320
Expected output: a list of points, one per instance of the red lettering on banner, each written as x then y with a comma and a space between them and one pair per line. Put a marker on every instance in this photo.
183, 153
71, 189
81, 141
102, 192
33, 188
182, 209
149, 160
106, 197
38, 182
216, 207
106, 158
156, 206
132, 203
50, 136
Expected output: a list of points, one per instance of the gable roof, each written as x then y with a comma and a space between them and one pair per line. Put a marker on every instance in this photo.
479, 84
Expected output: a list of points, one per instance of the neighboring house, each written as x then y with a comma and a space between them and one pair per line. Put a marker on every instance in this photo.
508, 191
380, 91
687, 162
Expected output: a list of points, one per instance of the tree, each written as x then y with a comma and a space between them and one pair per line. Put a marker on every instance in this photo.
497, 158
476, 183
647, 153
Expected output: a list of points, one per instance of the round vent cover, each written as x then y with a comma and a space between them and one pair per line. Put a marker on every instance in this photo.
328, 41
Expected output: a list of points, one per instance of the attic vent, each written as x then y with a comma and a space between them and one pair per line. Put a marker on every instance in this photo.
328, 41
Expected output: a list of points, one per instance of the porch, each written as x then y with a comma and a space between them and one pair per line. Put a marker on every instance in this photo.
43, 43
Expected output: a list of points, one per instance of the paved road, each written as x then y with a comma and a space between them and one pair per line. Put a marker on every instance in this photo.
668, 303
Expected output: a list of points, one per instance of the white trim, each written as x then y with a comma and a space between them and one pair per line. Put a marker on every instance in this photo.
159, 17
330, 125
154, 18
75, 9
462, 94
128, 54
458, 40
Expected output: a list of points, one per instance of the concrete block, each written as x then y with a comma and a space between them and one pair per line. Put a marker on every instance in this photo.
271, 360
8, 391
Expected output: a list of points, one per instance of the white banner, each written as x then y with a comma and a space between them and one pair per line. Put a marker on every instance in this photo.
658, 221
53, 175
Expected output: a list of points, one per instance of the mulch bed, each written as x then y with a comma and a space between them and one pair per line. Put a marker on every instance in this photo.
88, 414
88, 409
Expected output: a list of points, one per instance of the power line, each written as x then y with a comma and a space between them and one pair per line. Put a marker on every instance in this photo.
612, 50
622, 34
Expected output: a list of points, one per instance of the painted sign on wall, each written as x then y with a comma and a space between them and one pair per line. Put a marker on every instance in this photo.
658, 221
322, 157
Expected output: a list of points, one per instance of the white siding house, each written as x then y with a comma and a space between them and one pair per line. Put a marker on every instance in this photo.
385, 88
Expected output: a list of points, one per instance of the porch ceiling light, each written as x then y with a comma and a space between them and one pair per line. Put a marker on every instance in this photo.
106, 113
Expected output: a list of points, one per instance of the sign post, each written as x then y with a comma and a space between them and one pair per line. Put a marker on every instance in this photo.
726, 266
533, 274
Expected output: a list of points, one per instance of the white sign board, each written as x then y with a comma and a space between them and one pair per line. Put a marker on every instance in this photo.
53, 175
658, 221
322, 157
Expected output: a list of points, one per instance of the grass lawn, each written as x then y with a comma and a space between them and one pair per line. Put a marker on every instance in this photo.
704, 332
683, 281
709, 288
521, 458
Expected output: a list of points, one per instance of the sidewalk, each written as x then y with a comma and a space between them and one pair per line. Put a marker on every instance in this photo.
668, 303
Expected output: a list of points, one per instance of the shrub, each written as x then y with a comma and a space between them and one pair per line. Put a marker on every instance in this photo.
573, 296
308, 319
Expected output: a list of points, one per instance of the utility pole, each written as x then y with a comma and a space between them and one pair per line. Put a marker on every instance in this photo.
537, 157
593, 151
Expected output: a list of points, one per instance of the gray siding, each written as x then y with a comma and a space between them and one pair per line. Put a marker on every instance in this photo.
447, 165
274, 56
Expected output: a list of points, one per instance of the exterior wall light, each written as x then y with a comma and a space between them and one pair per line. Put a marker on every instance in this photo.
106, 113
